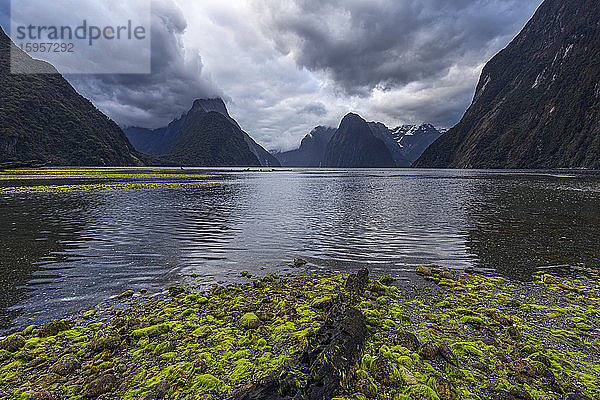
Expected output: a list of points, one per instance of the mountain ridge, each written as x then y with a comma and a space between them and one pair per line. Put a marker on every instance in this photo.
166, 142
537, 102
42, 117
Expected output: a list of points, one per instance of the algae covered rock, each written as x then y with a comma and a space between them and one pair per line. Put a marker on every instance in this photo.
12, 343
53, 328
176, 290
249, 321
100, 386
65, 365
408, 340
384, 372
125, 294
366, 387
44, 395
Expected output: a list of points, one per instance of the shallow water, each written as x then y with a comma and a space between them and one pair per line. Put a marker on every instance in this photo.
64, 252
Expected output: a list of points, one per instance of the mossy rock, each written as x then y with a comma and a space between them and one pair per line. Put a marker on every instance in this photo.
249, 321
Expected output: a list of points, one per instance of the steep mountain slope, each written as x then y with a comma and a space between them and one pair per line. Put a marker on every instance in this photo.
537, 104
312, 149
415, 139
210, 139
396, 151
175, 141
43, 118
354, 145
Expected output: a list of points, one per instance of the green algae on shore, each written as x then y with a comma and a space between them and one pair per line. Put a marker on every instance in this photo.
102, 186
466, 337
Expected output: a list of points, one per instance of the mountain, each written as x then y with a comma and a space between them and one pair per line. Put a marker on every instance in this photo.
205, 135
415, 139
312, 149
354, 145
537, 104
405, 144
43, 118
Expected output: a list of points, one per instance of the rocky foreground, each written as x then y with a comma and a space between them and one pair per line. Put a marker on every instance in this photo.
466, 336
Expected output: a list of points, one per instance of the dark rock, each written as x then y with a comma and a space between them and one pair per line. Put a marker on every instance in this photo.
299, 262
65, 365
125, 294
161, 389
99, 386
366, 387
176, 290
45, 395
383, 372
515, 334
408, 340
12, 343
331, 355
53, 328
429, 350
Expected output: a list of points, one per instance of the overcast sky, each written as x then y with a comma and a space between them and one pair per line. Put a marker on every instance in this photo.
286, 66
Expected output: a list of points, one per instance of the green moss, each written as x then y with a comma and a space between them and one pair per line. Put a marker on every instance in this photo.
151, 331
249, 321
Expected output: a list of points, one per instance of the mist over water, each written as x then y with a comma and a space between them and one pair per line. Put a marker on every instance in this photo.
65, 252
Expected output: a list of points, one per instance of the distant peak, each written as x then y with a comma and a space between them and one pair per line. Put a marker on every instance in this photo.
213, 104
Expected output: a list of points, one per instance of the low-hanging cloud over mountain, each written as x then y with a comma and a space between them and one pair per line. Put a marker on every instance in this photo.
287, 66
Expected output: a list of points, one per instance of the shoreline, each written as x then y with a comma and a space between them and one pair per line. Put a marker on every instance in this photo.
462, 336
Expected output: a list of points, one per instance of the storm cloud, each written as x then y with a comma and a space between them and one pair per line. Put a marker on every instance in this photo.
152, 100
386, 44
287, 66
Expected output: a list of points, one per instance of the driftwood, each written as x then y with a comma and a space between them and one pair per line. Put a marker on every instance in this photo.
323, 366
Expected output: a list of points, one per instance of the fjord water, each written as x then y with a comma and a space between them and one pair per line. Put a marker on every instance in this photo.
65, 252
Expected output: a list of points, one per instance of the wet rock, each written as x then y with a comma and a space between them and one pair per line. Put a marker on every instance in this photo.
469, 270
577, 396
176, 290
408, 340
424, 270
407, 377
515, 334
444, 389
245, 274
53, 328
366, 387
126, 294
249, 321
65, 365
12, 343
386, 280
429, 350
447, 354
322, 303
299, 262
99, 386
106, 340
384, 372
551, 279
513, 394
161, 389
45, 395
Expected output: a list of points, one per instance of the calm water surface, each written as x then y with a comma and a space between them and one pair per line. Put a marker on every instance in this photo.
64, 252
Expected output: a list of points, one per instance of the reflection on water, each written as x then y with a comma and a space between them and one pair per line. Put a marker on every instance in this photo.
63, 252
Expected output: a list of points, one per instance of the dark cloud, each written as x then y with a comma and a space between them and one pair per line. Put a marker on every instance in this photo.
388, 44
5, 15
317, 108
153, 100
